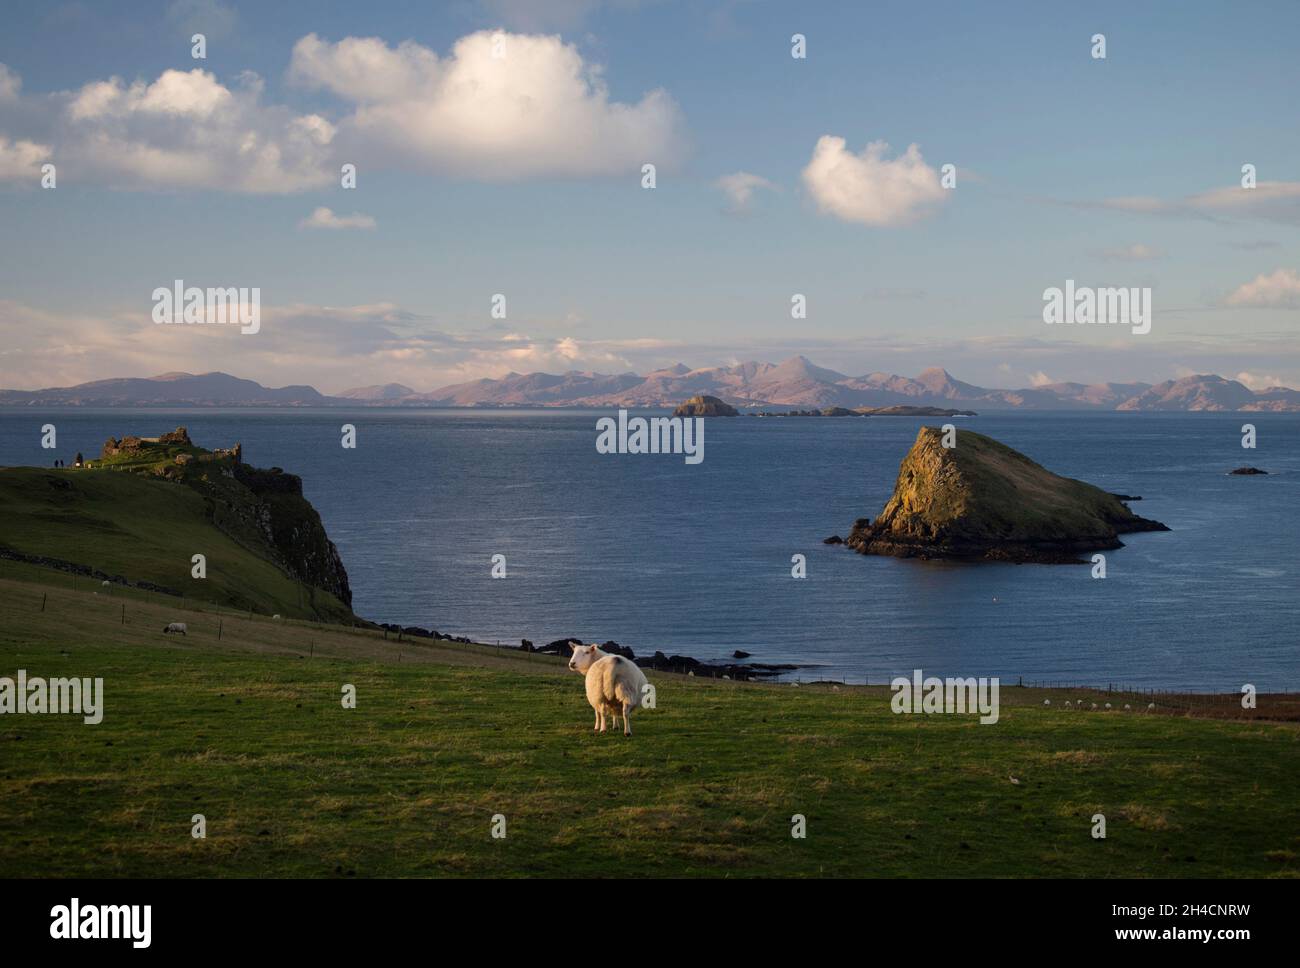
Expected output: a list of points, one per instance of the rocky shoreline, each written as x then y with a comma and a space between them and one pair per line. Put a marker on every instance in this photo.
659, 661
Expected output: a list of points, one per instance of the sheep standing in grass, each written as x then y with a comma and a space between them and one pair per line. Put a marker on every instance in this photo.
613, 684
174, 627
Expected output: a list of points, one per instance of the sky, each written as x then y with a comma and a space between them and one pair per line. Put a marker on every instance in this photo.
499, 148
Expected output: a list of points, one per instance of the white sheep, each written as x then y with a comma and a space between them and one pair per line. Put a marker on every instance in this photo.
275, 618
103, 584
1047, 702
174, 627
613, 683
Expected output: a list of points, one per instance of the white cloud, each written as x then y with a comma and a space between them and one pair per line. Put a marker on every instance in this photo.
195, 94
868, 188
324, 218
21, 159
739, 188
331, 348
536, 110
186, 129
1278, 290
1272, 201
1040, 379
1258, 381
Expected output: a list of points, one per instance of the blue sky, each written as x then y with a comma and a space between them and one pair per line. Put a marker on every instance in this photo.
1116, 172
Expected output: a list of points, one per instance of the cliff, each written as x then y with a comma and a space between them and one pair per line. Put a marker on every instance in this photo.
983, 500
262, 510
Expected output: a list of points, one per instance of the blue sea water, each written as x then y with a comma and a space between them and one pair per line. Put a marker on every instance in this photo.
658, 554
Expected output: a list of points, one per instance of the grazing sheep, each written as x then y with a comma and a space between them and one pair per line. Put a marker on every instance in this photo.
103, 584
174, 627
275, 618
1107, 705
1127, 706
613, 683
1047, 702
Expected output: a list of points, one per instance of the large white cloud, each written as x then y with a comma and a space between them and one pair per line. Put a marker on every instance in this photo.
869, 188
1279, 289
499, 106
195, 94
184, 129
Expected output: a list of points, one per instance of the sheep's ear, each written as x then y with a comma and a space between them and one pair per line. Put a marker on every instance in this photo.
573, 647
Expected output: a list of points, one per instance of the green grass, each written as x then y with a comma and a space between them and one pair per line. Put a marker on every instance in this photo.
147, 529
249, 731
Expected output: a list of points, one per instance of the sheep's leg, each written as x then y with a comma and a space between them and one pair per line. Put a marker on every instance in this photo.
627, 720
596, 728
600, 715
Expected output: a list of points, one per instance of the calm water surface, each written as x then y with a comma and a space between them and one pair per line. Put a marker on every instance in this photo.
696, 559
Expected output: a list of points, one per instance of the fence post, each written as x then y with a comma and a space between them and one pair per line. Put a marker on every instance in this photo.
43, 597
218, 630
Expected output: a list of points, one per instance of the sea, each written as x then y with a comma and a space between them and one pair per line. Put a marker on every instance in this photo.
699, 559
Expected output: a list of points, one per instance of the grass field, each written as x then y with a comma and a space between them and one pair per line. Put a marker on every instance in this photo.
249, 730
127, 524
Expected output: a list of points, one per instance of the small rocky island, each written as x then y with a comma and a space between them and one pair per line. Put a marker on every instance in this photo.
1246, 472
705, 406
981, 500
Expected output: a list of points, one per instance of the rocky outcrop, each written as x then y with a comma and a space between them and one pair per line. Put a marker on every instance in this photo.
263, 510
1244, 471
982, 500
289, 524
705, 406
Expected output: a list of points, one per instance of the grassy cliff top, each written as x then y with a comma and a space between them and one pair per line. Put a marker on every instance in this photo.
138, 517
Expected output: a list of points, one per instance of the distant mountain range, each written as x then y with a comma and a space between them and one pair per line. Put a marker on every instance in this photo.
796, 383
